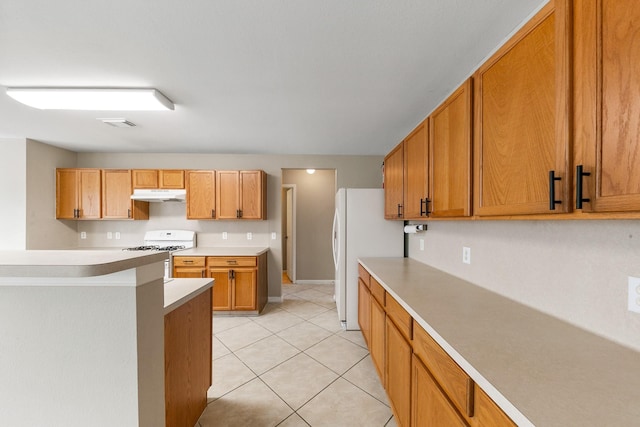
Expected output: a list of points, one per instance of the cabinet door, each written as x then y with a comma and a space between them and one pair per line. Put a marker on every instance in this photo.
450, 147
487, 413
145, 178
116, 194
201, 194
221, 288
251, 197
398, 373
393, 183
607, 103
521, 120
429, 406
364, 311
377, 343
244, 289
171, 178
66, 194
89, 193
227, 194
416, 177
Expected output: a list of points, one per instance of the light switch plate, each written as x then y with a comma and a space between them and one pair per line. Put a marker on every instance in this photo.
225, 236
422, 244
83, 234
466, 255
117, 235
249, 236
273, 236
109, 235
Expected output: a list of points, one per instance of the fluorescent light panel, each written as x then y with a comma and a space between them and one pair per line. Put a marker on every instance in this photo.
100, 99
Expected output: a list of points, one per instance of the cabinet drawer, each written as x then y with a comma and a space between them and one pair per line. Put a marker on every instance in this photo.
364, 275
453, 380
228, 261
188, 261
377, 291
400, 317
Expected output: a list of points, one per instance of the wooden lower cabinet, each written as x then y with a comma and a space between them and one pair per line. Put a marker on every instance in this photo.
377, 342
364, 310
425, 386
429, 405
187, 353
398, 373
240, 283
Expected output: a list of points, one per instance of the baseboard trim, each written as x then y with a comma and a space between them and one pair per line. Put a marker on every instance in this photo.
314, 282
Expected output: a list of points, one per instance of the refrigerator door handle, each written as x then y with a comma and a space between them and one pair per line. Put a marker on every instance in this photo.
335, 242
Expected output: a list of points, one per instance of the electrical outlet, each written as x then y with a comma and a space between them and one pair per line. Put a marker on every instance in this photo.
633, 300
466, 255
422, 244
224, 235
249, 236
273, 236
83, 234
109, 235
117, 235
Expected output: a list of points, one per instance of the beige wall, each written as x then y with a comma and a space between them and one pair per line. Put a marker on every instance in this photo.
43, 230
352, 171
13, 173
574, 270
315, 205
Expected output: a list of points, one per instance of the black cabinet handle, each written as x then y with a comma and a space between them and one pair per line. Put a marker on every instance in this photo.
579, 175
202, 274
237, 213
399, 210
424, 212
213, 213
128, 213
552, 190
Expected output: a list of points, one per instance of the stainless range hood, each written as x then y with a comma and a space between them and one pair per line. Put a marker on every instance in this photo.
159, 195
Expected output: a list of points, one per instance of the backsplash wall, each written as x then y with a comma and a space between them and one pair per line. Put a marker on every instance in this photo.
574, 270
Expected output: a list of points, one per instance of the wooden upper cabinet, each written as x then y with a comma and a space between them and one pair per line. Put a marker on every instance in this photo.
241, 194
154, 178
393, 183
607, 103
116, 196
416, 178
78, 194
450, 155
521, 120
201, 194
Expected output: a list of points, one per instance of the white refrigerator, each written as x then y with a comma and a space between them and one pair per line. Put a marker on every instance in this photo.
360, 230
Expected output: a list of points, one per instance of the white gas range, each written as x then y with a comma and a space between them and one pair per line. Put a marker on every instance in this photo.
166, 240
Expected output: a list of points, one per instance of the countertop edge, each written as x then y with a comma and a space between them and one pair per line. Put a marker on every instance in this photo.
222, 251
179, 291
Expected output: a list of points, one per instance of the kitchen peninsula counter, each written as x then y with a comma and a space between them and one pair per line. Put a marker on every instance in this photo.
540, 370
87, 327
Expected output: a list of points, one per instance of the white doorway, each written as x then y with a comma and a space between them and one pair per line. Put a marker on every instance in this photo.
289, 231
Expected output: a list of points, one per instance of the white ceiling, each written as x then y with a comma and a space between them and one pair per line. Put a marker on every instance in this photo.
247, 76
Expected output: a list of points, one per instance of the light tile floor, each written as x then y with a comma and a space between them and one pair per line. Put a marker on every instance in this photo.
293, 366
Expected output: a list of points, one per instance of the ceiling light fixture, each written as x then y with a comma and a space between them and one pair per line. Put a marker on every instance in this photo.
100, 99
311, 171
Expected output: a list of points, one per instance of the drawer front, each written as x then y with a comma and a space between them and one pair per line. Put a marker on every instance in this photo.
400, 317
228, 261
364, 275
377, 291
453, 380
188, 261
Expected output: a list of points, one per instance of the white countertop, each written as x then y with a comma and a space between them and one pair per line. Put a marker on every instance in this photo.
541, 370
73, 263
222, 251
179, 291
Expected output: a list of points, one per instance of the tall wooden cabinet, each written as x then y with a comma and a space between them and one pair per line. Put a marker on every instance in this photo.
607, 104
521, 103
406, 180
450, 148
241, 194
78, 194
201, 194
116, 196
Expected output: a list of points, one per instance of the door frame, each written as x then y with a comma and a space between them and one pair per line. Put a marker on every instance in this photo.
291, 269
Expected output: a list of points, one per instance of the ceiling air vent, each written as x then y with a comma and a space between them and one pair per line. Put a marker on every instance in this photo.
118, 123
